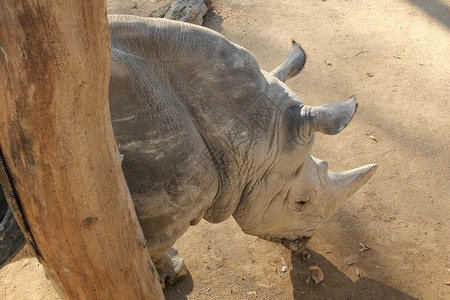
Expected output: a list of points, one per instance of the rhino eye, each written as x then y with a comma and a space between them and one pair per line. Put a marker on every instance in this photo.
302, 201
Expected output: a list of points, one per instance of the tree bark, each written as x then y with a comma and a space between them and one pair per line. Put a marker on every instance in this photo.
58, 146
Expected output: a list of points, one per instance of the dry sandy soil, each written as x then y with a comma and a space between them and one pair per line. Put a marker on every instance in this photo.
402, 214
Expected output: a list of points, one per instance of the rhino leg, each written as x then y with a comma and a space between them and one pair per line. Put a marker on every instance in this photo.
170, 266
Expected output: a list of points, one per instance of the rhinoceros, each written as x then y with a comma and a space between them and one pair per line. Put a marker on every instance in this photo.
205, 134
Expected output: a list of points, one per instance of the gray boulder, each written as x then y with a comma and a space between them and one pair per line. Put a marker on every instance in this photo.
190, 11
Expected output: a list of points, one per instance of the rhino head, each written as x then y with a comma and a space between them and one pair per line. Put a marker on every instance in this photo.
297, 206
299, 191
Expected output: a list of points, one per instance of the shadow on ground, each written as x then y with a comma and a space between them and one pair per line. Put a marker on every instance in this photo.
435, 9
213, 21
336, 284
181, 289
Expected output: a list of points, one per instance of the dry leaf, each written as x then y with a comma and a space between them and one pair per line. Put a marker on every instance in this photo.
313, 268
373, 138
370, 74
305, 255
317, 275
360, 52
274, 268
364, 247
307, 279
328, 63
349, 264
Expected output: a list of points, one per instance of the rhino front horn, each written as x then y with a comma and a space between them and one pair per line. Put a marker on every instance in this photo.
345, 184
328, 119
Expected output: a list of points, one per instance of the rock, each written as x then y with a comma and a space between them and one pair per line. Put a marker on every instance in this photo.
191, 11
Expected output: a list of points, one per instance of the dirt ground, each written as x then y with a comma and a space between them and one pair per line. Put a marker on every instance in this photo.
402, 214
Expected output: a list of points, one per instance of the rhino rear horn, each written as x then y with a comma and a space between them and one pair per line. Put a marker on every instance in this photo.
292, 64
329, 119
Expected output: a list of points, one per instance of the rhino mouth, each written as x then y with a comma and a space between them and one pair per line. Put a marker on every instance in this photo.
297, 245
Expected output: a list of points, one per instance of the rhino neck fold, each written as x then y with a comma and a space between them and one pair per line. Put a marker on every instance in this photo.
229, 191
243, 148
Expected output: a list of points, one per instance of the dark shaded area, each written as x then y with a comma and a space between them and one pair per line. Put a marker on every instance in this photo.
336, 284
181, 289
436, 9
212, 20
11, 237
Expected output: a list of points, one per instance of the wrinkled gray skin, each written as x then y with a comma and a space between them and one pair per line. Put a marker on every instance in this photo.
206, 134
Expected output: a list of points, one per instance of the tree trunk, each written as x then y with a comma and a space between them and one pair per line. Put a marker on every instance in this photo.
59, 150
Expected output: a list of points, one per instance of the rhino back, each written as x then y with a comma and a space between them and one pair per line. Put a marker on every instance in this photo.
169, 170
216, 81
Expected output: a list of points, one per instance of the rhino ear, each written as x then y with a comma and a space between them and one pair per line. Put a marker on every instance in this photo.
328, 119
292, 64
